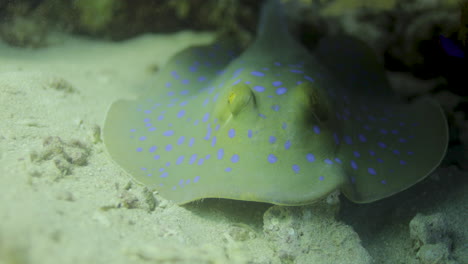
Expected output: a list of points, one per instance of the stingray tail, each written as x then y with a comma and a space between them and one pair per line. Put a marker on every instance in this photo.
272, 21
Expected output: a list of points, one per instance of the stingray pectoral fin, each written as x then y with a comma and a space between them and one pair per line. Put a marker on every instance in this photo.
127, 136
118, 135
401, 150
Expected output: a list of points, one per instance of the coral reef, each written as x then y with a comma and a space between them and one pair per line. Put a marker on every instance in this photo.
431, 239
311, 234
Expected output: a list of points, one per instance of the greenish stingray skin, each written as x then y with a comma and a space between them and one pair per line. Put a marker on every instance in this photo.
276, 124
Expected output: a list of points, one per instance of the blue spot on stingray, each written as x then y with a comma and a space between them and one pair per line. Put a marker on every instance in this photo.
310, 79
296, 71
220, 153
235, 158
321, 178
371, 171
163, 175
382, 145
152, 149
296, 168
402, 162
193, 158
213, 141
338, 160
354, 165
317, 129
156, 157
205, 117
284, 125
208, 133
237, 72
281, 90
348, 140
272, 158
337, 139
272, 139
259, 89
180, 159
356, 154
232, 133
328, 161
151, 129
142, 138
168, 147
287, 145
200, 161
201, 78
257, 73
310, 157
236, 82
372, 153
228, 169
196, 179
192, 140
396, 152
180, 141
249, 133
139, 149
168, 133
362, 138
275, 107
181, 113
277, 83
262, 116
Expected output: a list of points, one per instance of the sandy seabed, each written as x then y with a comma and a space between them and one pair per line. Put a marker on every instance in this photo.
63, 200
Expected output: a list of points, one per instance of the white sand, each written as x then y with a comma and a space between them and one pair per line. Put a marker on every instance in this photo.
49, 217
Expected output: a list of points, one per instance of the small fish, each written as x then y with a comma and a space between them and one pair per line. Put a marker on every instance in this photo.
276, 124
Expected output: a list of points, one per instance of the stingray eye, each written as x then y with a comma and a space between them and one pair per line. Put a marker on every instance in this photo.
311, 102
239, 97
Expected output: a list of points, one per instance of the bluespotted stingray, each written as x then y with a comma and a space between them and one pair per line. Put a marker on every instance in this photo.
276, 124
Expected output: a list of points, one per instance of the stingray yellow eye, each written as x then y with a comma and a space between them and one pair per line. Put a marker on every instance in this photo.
232, 97
239, 97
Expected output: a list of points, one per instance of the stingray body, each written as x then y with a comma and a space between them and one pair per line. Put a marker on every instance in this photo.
275, 124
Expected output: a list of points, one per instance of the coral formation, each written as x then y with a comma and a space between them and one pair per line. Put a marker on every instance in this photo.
431, 239
311, 234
